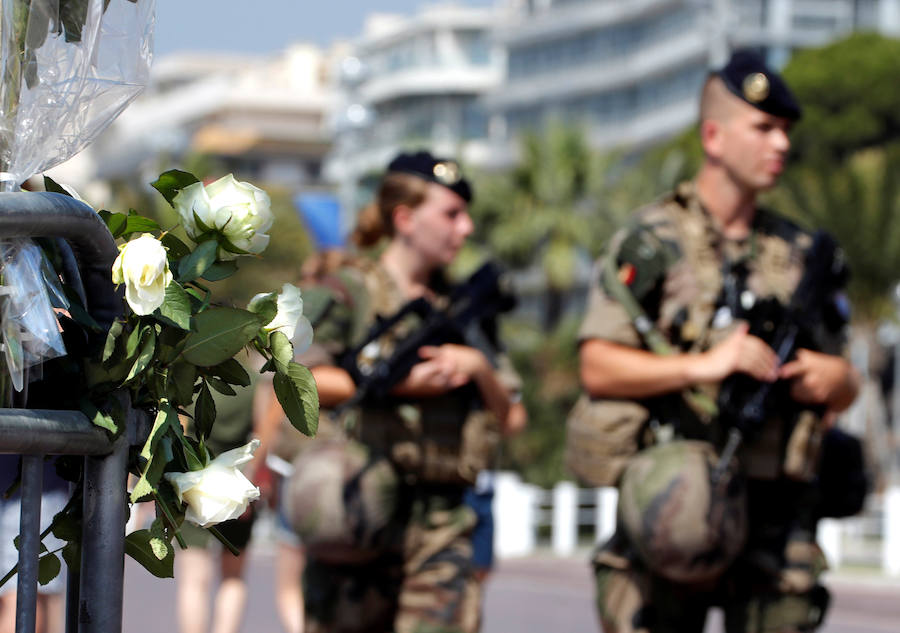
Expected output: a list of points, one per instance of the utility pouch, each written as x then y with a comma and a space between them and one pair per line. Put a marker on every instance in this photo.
843, 479
804, 446
601, 437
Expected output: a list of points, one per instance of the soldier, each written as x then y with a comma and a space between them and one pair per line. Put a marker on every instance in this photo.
381, 513
663, 330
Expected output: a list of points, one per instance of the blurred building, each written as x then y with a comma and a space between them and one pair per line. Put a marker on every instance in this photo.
630, 72
412, 82
262, 118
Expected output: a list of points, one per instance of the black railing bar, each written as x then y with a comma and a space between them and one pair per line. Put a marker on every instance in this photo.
73, 584
29, 543
103, 553
47, 214
51, 432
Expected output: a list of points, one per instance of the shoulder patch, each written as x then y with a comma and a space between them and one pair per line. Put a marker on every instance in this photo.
643, 259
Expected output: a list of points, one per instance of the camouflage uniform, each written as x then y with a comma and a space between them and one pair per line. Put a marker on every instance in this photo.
396, 555
675, 262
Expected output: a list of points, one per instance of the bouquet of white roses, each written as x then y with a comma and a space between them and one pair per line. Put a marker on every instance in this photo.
174, 346
68, 68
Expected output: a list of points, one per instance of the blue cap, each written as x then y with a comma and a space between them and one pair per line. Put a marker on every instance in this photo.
442, 171
747, 76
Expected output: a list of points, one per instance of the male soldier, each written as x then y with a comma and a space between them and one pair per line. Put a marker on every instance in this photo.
664, 328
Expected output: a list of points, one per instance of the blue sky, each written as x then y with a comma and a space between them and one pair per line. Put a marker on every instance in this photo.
264, 26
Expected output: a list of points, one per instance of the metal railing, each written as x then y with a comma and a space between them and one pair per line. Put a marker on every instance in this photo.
94, 594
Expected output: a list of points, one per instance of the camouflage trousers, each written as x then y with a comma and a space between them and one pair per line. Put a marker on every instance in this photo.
426, 584
632, 600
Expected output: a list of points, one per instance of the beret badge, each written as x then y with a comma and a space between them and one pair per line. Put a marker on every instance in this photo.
447, 173
755, 87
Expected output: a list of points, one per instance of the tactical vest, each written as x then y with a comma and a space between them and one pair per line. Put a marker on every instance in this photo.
446, 439
666, 273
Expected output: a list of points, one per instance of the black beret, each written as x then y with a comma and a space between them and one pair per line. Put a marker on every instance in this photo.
748, 77
438, 170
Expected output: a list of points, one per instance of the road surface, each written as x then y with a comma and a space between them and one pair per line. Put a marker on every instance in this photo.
530, 595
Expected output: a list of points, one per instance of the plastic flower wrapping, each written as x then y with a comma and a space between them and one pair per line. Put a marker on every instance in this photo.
69, 67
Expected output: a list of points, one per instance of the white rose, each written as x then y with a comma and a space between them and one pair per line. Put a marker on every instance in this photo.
143, 267
289, 317
218, 492
237, 210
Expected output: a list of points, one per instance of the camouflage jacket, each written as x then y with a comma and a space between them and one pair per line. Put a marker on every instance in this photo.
445, 439
680, 269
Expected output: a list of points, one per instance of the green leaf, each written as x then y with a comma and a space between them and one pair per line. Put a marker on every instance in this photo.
145, 355
145, 548
54, 187
48, 568
220, 270
266, 307
71, 553
177, 306
219, 334
171, 182
296, 391
115, 222
177, 249
231, 248
112, 338
147, 484
282, 350
194, 461
139, 224
98, 417
182, 377
170, 343
232, 372
72, 18
205, 232
66, 527
197, 263
221, 386
165, 417
132, 344
204, 411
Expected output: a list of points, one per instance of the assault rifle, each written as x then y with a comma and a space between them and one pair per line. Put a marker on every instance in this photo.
380, 361
744, 403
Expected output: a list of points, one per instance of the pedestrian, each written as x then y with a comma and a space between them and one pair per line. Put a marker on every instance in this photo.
388, 536
49, 617
667, 328
205, 558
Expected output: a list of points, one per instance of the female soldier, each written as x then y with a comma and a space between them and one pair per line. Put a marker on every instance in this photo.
415, 453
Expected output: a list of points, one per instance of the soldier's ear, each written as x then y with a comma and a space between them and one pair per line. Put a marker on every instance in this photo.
401, 217
711, 133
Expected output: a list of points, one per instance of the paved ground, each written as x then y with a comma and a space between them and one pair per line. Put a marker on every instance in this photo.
530, 595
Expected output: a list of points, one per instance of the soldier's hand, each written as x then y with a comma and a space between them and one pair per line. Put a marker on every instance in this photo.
819, 378
443, 368
428, 378
740, 352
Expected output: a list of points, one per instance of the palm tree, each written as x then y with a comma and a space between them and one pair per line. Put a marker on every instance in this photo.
858, 200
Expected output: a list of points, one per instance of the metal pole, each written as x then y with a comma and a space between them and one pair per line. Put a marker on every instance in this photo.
103, 541
29, 542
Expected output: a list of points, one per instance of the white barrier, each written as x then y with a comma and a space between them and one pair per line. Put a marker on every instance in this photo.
891, 532
521, 511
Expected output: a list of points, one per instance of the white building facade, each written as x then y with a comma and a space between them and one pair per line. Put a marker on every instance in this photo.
630, 72
412, 82
264, 118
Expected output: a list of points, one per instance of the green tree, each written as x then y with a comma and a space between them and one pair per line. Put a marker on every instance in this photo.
858, 200
541, 213
850, 96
